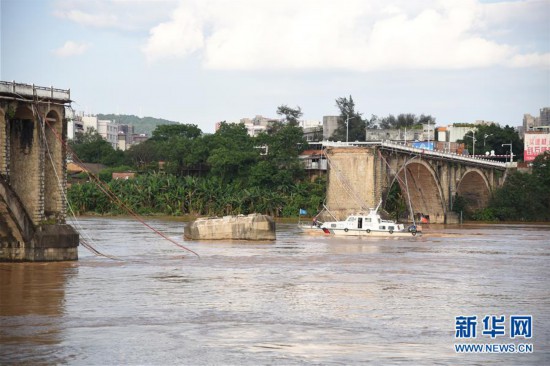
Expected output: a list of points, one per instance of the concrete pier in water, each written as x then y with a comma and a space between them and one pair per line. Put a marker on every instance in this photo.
251, 227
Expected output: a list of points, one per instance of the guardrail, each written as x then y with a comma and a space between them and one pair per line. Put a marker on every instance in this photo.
31, 90
425, 152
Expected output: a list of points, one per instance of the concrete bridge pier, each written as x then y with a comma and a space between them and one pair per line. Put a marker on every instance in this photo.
33, 130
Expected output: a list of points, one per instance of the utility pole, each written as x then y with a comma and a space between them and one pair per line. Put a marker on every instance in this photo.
485, 138
473, 137
347, 129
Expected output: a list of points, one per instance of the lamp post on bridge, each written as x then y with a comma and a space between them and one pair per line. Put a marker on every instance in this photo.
347, 129
473, 137
511, 153
485, 138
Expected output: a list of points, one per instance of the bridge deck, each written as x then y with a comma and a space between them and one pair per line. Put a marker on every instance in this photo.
428, 153
11, 89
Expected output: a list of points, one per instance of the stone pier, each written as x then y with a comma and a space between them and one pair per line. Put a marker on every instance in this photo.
33, 132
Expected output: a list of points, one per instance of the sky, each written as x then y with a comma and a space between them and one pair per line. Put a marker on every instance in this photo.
205, 61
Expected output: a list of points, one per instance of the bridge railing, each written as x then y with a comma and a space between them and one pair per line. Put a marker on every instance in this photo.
33, 91
426, 152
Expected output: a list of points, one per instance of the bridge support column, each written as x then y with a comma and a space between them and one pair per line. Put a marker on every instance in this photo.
33, 177
353, 184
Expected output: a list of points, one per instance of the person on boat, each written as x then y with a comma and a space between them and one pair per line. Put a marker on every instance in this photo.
316, 222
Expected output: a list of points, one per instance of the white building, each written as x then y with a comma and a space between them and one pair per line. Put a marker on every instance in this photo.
105, 128
109, 131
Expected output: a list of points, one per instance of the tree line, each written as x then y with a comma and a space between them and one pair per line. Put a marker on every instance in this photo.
185, 171
352, 125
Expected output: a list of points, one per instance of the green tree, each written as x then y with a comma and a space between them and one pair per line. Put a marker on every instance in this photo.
232, 153
351, 126
166, 132
291, 115
396, 204
405, 120
143, 155
90, 147
280, 166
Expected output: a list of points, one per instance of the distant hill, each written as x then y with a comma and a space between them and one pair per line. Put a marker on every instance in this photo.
141, 125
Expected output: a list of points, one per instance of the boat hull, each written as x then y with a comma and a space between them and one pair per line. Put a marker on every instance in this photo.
371, 233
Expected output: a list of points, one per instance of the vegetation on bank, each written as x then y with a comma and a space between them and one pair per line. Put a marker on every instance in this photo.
183, 171
167, 194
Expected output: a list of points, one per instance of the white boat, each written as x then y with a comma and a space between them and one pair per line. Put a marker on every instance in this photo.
370, 224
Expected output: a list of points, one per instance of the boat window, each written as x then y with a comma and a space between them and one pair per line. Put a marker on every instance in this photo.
360, 223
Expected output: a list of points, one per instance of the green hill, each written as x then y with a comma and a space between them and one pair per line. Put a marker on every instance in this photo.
141, 125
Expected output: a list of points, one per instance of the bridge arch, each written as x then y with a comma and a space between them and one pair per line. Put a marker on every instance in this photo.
474, 187
418, 181
53, 168
24, 165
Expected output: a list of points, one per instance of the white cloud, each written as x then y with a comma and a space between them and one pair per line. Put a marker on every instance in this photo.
89, 19
126, 15
531, 60
179, 37
71, 48
329, 34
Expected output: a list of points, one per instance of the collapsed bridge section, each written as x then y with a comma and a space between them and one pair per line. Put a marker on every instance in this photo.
33, 133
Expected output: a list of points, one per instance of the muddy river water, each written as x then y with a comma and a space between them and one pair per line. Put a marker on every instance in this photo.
299, 300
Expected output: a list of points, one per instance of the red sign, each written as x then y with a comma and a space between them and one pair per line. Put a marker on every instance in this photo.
535, 143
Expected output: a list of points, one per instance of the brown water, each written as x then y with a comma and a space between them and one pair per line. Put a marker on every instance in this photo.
299, 300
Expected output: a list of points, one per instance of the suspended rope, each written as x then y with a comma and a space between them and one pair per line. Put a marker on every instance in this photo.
396, 175
114, 198
79, 229
409, 196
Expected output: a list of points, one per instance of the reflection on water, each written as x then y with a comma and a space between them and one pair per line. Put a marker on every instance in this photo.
298, 300
34, 288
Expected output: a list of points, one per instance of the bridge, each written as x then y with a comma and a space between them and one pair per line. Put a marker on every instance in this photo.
33, 132
360, 174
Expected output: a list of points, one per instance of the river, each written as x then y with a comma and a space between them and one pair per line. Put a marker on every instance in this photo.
299, 300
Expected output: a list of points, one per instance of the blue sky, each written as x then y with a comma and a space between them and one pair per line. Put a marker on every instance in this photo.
204, 61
